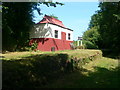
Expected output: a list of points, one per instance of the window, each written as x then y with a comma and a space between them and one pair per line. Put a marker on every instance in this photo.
68, 36
56, 34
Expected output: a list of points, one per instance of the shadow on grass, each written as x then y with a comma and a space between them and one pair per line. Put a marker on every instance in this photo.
101, 78
43, 70
104, 78
34, 71
111, 53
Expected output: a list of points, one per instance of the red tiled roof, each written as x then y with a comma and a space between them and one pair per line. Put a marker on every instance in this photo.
48, 19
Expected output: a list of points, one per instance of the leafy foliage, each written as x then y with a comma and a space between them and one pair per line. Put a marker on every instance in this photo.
110, 24
17, 21
89, 45
34, 45
106, 22
94, 22
91, 38
54, 16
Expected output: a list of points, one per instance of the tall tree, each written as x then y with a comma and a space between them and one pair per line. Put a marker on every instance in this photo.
91, 38
110, 24
17, 21
107, 21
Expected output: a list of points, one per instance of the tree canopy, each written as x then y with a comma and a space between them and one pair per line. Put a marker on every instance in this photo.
107, 23
52, 15
17, 21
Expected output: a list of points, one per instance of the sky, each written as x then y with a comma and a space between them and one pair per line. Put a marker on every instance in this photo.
74, 15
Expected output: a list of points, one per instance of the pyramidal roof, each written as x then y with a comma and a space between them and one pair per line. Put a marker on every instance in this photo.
48, 19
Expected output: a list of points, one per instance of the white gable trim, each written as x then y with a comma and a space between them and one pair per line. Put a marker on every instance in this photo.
47, 31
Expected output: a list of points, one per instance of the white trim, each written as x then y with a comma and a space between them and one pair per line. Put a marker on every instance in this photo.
47, 30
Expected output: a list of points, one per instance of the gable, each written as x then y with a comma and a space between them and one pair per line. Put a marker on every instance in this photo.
54, 21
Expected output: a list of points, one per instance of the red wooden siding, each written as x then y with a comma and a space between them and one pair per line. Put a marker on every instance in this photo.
63, 35
45, 44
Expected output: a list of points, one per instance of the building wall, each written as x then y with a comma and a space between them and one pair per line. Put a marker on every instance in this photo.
47, 31
46, 44
45, 37
41, 31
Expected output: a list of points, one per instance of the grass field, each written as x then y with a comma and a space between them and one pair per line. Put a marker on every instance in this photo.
103, 73
19, 55
43, 69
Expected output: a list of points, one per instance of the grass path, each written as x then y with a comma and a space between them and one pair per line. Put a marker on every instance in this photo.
96, 74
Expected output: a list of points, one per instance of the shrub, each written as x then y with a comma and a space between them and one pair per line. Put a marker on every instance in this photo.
34, 45
81, 47
90, 45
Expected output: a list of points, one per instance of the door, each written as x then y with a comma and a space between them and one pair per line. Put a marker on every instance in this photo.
63, 36
63, 39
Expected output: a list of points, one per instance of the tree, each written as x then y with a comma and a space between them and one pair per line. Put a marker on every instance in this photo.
91, 38
17, 21
54, 16
95, 19
107, 23
110, 24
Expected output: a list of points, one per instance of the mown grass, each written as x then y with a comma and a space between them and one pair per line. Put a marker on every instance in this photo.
76, 53
49, 70
102, 73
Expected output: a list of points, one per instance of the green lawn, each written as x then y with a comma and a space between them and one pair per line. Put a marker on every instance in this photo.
101, 73
76, 53
48, 70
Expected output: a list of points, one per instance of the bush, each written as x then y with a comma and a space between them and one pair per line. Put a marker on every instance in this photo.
31, 47
90, 45
34, 46
81, 47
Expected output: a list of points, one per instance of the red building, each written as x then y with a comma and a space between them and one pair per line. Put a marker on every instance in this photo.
51, 35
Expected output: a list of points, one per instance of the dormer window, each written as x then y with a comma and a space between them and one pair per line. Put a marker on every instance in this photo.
68, 36
56, 34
